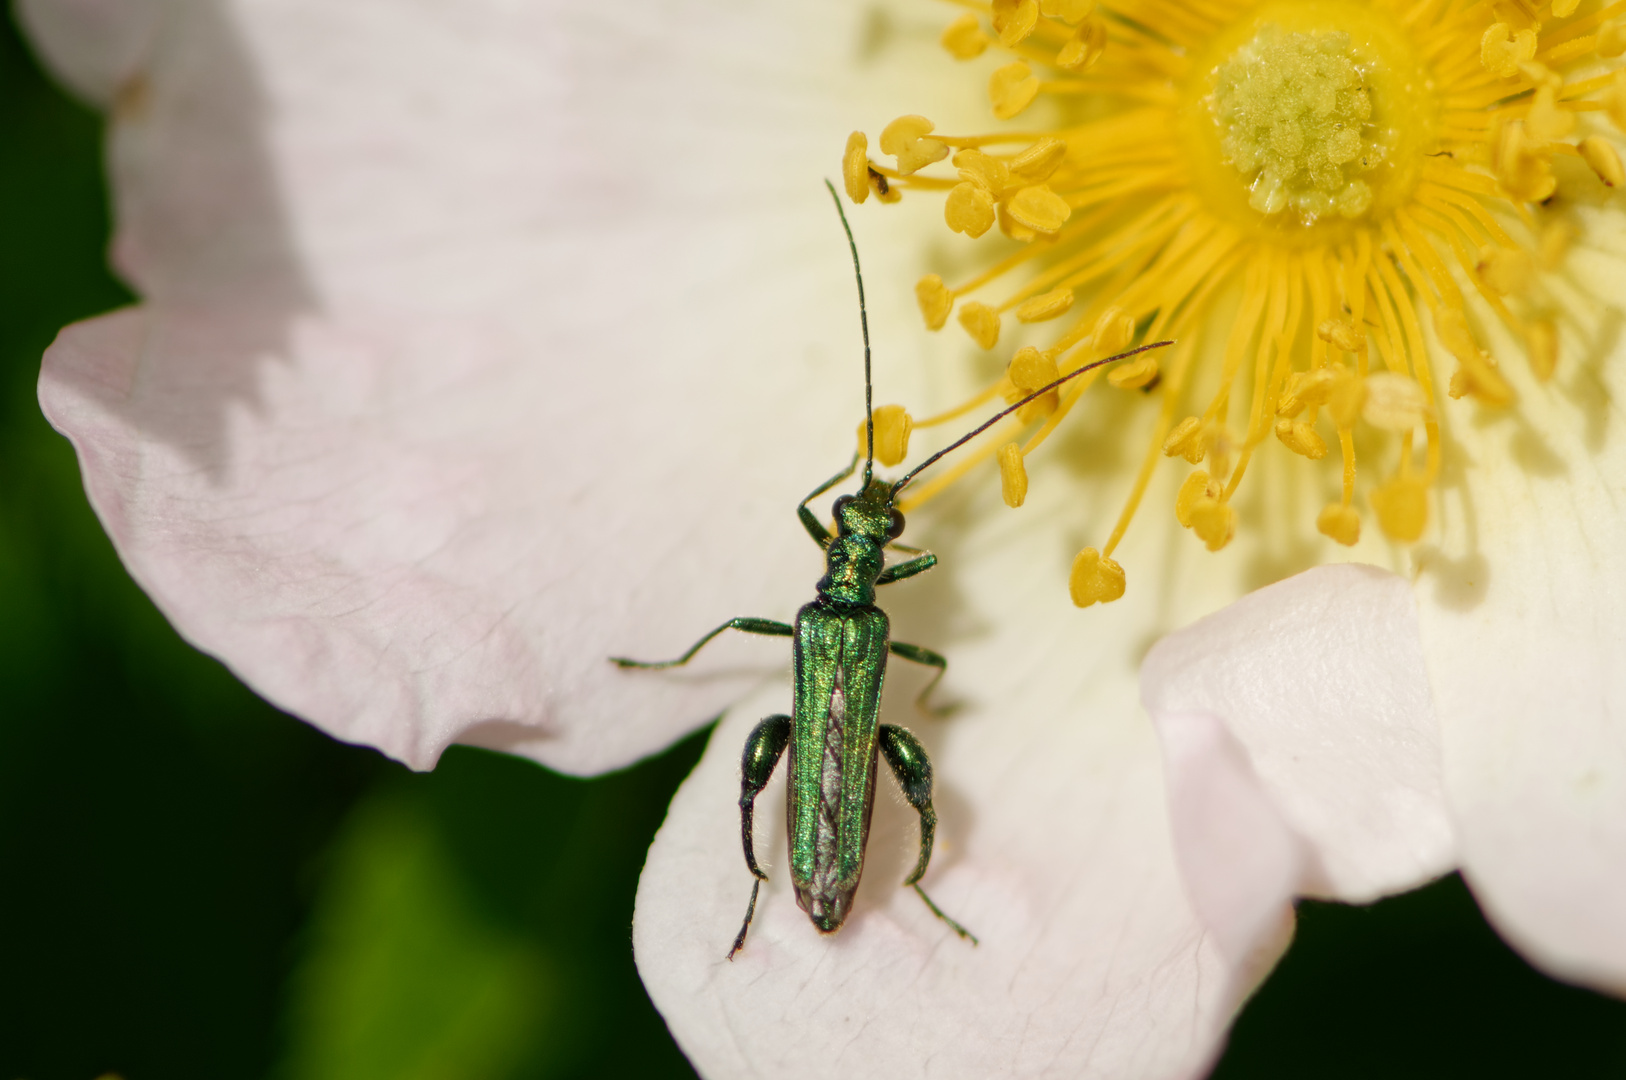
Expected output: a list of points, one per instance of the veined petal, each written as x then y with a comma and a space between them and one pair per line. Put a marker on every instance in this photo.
480, 343
1524, 627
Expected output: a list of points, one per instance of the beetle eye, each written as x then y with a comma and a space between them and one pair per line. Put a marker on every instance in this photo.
840, 504
895, 530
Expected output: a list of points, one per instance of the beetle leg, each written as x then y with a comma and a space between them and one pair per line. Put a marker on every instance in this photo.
898, 571
763, 748
768, 627
908, 761
921, 655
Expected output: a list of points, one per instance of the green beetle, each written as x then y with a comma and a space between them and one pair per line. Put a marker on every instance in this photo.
841, 642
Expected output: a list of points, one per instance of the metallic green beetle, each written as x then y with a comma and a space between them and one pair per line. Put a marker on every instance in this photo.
841, 644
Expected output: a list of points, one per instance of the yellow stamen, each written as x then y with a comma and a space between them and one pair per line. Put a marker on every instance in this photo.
969, 209
1068, 11
1011, 89
1302, 193
1014, 20
1045, 306
981, 322
905, 139
1603, 159
964, 39
1340, 523
1402, 508
1096, 579
934, 298
1013, 477
893, 426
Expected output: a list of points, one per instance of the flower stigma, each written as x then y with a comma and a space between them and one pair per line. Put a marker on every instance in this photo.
1322, 201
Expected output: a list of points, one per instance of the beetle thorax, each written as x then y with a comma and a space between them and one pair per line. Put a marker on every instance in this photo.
852, 563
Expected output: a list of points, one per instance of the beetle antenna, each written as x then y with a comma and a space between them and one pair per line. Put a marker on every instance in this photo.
1003, 413
863, 320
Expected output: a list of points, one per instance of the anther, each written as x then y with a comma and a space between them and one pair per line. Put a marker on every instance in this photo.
1135, 374
1563, 9
1186, 440
1603, 159
1394, 402
1014, 20
1035, 164
1095, 579
1214, 522
1030, 369
1013, 475
935, 301
1050, 305
1342, 334
905, 139
1085, 46
1040, 209
1477, 374
981, 322
893, 425
1306, 389
964, 39
855, 167
1339, 522
969, 209
1301, 438
1401, 504
989, 173
1113, 331
1012, 228
1196, 487
1068, 11
1502, 50
1011, 89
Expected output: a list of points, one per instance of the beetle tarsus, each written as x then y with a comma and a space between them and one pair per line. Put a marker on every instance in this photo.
739, 938
956, 927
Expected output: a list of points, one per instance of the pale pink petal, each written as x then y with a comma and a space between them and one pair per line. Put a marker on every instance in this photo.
481, 342
94, 46
1318, 684
1241, 861
1054, 847
1525, 632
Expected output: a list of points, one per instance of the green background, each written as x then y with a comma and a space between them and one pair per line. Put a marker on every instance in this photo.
193, 885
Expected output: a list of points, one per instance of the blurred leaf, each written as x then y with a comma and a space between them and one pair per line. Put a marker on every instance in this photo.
403, 978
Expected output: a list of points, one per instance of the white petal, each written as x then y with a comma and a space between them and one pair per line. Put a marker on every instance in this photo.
95, 46
1308, 702
1525, 631
481, 343
1242, 863
1054, 848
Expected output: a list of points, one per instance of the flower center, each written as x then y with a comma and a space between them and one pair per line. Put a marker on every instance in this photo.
1319, 109
1299, 193
1294, 110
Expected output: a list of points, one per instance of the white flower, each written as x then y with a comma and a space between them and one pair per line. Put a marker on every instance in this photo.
480, 342
1303, 752
1512, 623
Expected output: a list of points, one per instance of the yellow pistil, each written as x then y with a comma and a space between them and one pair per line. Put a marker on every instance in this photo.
1318, 199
